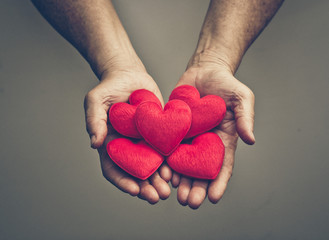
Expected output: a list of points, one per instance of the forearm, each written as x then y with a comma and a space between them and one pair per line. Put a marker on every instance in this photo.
229, 29
94, 29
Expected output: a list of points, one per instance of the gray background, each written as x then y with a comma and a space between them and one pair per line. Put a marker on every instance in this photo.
50, 180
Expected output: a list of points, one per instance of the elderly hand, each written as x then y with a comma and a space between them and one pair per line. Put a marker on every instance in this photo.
116, 86
216, 79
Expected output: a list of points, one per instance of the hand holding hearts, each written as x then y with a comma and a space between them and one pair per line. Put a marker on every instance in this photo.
184, 116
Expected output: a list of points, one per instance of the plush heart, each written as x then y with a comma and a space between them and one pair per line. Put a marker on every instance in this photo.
202, 159
207, 112
138, 159
121, 115
163, 129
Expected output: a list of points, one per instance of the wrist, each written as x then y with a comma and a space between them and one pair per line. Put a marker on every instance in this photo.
217, 46
211, 58
115, 60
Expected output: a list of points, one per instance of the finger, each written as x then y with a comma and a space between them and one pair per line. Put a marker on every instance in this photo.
160, 185
96, 119
184, 190
165, 172
198, 193
116, 176
148, 192
175, 179
218, 186
244, 116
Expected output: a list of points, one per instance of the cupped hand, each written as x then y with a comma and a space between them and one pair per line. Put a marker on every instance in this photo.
213, 79
116, 86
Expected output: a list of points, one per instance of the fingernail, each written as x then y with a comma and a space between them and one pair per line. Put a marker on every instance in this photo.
92, 140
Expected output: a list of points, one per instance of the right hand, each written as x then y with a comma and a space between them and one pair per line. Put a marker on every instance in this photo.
116, 86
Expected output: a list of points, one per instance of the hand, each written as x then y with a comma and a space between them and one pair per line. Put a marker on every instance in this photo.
217, 79
116, 86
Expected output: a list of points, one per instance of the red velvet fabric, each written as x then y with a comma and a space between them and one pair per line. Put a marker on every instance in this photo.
138, 159
202, 159
184, 116
163, 129
121, 115
207, 112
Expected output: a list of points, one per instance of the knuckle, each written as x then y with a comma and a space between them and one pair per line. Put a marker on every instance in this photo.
251, 94
228, 170
103, 168
90, 96
104, 174
229, 173
247, 94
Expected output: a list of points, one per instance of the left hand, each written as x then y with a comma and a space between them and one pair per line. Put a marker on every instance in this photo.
216, 79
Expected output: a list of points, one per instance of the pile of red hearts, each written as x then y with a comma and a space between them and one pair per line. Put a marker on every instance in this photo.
155, 133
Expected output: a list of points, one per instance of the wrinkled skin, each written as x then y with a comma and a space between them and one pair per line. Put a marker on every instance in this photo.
116, 87
212, 79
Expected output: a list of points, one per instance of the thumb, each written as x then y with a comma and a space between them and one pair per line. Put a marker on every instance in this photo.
244, 116
96, 119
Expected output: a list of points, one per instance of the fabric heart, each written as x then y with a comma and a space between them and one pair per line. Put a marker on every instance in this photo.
138, 159
163, 129
202, 159
207, 112
121, 115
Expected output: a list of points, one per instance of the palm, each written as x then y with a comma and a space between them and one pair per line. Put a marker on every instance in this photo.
116, 87
223, 84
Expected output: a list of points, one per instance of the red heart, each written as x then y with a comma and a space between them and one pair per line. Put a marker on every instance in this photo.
163, 129
202, 159
138, 159
207, 112
121, 115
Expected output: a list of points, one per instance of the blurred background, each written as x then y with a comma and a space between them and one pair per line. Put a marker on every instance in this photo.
50, 179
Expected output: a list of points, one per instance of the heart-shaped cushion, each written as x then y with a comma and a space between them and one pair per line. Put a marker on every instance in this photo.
202, 159
163, 129
207, 112
121, 114
138, 159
